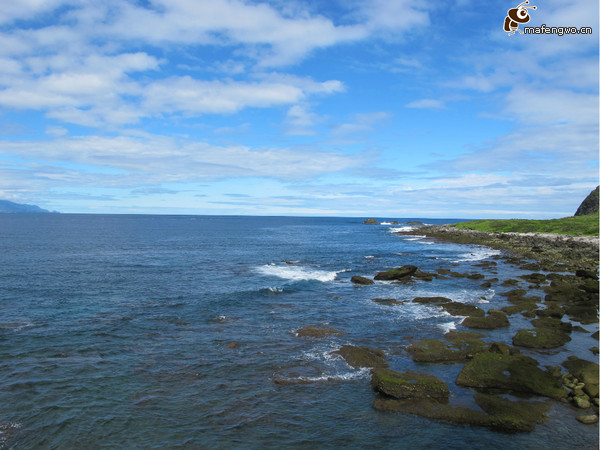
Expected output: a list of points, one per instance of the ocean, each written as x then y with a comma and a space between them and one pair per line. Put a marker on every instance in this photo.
139, 331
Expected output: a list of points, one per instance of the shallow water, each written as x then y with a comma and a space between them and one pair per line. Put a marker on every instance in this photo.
160, 331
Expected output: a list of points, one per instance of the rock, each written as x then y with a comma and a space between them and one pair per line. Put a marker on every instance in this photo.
534, 278
589, 205
396, 274
585, 371
408, 385
435, 300
317, 332
233, 345
552, 322
494, 319
371, 222
582, 401
552, 310
358, 357
500, 414
582, 273
540, 338
357, 279
387, 301
515, 372
415, 222
462, 309
588, 419
509, 282
460, 346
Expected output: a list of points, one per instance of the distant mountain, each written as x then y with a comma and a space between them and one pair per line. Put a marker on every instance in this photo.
589, 205
14, 208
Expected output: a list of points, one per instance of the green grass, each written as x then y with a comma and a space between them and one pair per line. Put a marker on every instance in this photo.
580, 225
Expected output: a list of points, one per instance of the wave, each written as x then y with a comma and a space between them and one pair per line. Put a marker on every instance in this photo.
298, 273
478, 254
401, 229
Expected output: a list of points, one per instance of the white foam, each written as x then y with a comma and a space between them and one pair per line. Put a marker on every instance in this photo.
448, 326
401, 229
369, 257
478, 254
297, 273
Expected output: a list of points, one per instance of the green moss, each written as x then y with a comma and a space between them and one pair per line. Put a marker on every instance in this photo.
358, 357
511, 372
580, 225
461, 346
396, 274
546, 337
408, 384
494, 319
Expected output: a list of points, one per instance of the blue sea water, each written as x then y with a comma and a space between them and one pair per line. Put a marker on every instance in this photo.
176, 332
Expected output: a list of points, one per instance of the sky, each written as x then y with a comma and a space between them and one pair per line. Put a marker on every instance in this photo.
374, 108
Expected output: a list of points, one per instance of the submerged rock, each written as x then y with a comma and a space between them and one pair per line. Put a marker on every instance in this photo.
408, 384
541, 338
396, 274
358, 357
434, 300
317, 331
386, 301
512, 372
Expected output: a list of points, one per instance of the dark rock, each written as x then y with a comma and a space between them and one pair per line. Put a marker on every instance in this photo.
509, 282
552, 322
358, 357
370, 222
435, 300
475, 276
414, 223
553, 311
494, 319
534, 278
582, 273
541, 338
396, 274
408, 385
424, 276
589, 205
386, 301
317, 331
517, 373
357, 279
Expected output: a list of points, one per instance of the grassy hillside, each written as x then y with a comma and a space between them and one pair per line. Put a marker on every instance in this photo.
580, 225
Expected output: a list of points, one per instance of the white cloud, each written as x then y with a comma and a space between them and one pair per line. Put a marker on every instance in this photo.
426, 103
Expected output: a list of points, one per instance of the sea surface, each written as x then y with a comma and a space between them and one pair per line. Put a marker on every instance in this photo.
122, 331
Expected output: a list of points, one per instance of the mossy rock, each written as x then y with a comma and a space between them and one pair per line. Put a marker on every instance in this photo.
586, 372
462, 309
514, 309
509, 282
541, 338
582, 312
434, 300
357, 279
552, 322
500, 414
461, 346
408, 384
534, 278
512, 372
358, 357
396, 274
424, 276
317, 331
552, 310
494, 319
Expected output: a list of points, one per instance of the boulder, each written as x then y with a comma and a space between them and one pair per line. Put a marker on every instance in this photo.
358, 357
370, 222
588, 419
357, 279
396, 274
586, 372
408, 385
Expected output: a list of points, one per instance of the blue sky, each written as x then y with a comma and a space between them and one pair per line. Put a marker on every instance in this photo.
339, 108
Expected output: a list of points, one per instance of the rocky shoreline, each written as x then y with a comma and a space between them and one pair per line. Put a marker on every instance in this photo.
563, 269
551, 251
